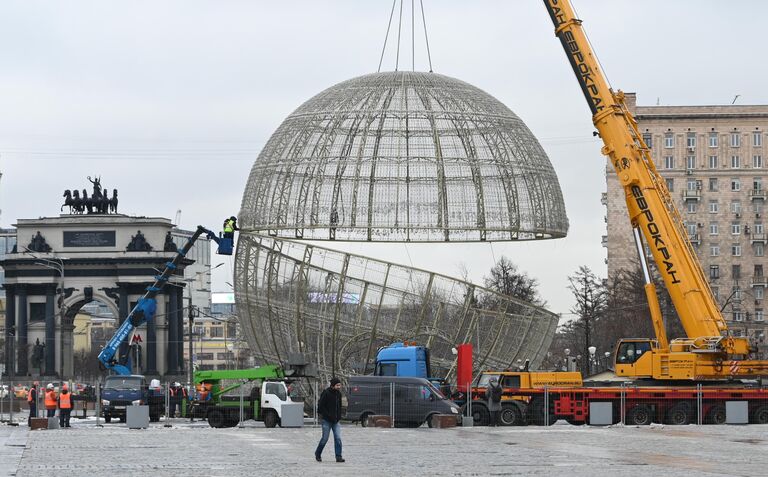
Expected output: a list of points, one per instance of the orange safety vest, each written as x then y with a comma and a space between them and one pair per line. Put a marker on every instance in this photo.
50, 399
29, 394
65, 401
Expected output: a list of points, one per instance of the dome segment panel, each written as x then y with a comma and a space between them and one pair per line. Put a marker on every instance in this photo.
340, 308
404, 156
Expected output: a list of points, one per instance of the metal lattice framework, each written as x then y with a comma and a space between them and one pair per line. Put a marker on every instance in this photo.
342, 307
404, 156
398, 156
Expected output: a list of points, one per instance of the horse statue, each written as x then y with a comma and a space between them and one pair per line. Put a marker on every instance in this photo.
104, 203
68, 201
87, 202
113, 202
77, 202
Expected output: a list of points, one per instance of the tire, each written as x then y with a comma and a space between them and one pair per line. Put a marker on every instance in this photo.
216, 418
536, 413
759, 415
270, 418
679, 414
231, 421
480, 415
640, 415
107, 419
154, 418
715, 415
511, 415
364, 419
122, 418
429, 420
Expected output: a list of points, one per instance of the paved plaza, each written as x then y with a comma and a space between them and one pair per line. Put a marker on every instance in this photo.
196, 449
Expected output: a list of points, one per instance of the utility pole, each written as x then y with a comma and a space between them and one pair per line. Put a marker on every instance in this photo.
191, 316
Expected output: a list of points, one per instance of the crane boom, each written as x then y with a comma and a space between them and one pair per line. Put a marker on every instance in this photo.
651, 211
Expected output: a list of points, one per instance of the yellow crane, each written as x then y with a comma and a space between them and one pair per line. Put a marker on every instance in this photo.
708, 352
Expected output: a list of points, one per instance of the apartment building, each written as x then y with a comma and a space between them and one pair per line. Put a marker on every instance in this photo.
713, 159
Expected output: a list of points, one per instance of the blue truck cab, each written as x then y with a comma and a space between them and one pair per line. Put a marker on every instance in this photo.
403, 359
121, 391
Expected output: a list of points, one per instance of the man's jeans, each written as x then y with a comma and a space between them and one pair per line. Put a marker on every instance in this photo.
327, 427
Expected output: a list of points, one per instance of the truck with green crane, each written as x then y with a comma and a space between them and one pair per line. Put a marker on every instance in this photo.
264, 401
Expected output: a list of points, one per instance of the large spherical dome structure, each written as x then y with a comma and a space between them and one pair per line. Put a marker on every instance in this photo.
404, 156
399, 156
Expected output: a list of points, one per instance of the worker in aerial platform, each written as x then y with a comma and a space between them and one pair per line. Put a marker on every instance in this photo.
230, 225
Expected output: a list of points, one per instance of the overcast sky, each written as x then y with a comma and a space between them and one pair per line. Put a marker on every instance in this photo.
171, 101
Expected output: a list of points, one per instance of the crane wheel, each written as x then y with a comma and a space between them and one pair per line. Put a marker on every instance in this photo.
679, 414
759, 415
715, 415
511, 415
480, 415
640, 415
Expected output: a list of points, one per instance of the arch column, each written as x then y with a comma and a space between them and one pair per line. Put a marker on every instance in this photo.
151, 367
21, 332
10, 322
180, 332
50, 332
173, 331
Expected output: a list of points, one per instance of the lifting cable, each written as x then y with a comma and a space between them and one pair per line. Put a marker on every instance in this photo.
399, 29
399, 35
386, 36
426, 37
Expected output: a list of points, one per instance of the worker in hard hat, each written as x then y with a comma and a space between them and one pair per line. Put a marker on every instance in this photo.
230, 225
50, 400
64, 401
32, 402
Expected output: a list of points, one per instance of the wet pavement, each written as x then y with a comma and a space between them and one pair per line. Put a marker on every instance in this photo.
194, 448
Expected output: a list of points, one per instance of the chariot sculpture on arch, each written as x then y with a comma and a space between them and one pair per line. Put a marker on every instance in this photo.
98, 203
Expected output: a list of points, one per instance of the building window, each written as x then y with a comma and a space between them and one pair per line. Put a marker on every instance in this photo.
714, 251
736, 207
757, 161
757, 183
738, 316
713, 139
713, 184
713, 228
735, 185
735, 272
735, 139
648, 140
37, 312
691, 229
669, 162
758, 228
670, 184
714, 271
759, 250
713, 162
757, 139
716, 292
759, 292
690, 162
691, 207
669, 140
736, 250
759, 314
690, 140
217, 331
735, 162
735, 228
713, 207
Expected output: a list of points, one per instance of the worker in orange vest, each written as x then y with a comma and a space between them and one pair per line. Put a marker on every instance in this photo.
65, 406
32, 402
50, 400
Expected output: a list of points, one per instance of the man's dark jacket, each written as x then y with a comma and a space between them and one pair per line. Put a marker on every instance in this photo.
329, 405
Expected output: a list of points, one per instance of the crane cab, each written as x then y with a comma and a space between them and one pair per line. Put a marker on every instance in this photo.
634, 357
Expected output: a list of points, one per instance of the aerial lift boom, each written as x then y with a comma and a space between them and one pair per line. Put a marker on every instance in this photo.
146, 307
708, 351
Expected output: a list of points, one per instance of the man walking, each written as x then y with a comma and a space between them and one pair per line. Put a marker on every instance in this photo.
329, 407
32, 403
65, 406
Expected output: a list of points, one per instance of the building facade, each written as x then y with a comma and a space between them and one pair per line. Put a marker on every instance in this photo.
713, 161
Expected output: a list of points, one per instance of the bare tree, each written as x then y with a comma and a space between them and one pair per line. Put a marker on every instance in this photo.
590, 295
507, 279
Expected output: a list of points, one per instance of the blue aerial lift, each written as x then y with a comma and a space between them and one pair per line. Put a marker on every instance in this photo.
145, 309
